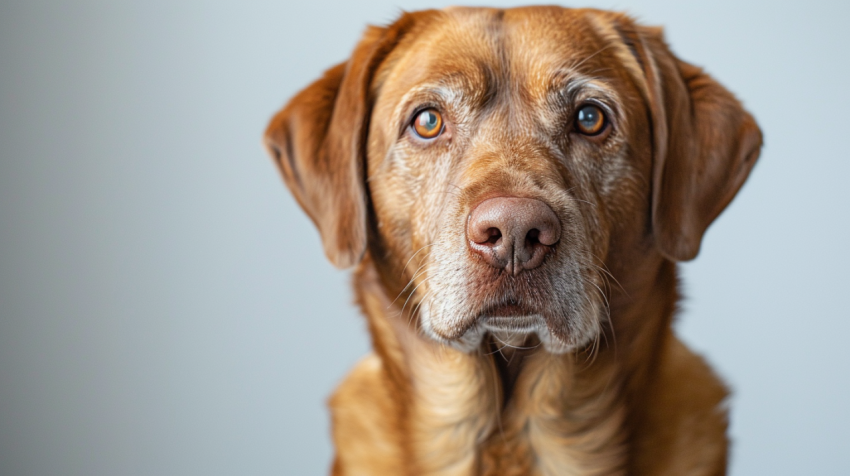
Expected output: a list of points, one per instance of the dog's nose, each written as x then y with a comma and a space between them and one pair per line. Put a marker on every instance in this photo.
512, 233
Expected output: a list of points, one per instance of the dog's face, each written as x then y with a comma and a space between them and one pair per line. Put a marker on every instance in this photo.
530, 122
490, 160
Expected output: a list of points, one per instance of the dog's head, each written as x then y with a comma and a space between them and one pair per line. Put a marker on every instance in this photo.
494, 161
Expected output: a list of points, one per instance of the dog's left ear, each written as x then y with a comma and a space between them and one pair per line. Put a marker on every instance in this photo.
318, 143
705, 144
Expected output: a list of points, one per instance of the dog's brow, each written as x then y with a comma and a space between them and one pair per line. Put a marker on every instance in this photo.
456, 85
465, 79
447, 92
569, 83
453, 86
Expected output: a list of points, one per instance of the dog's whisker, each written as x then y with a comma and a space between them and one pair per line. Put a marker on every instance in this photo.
414, 255
413, 292
589, 57
604, 268
419, 304
416, 274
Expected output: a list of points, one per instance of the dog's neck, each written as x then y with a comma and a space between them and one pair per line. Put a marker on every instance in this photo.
509, 359
493, 410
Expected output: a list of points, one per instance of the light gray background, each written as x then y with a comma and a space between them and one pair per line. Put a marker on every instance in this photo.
165, 308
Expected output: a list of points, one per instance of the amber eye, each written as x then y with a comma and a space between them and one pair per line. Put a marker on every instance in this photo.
428, 124
590, 120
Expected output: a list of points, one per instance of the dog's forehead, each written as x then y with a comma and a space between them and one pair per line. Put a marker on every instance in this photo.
531, 46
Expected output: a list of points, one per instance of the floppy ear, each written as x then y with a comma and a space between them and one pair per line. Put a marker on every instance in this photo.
705, 144
318, 143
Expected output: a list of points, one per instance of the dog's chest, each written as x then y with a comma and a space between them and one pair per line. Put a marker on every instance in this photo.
453, 424
554, 424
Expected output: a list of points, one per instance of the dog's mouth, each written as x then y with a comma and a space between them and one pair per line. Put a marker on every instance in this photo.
510, 307
465, 304
512, 315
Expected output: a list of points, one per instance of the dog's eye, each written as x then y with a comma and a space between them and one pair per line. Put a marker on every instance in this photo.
428, 124
590, 120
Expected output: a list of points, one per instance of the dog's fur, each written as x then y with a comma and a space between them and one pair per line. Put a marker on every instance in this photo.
601, 386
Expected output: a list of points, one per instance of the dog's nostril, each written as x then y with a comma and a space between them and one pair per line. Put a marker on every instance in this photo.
493, 235
512, 233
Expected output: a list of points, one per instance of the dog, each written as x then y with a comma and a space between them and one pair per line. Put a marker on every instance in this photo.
515, 188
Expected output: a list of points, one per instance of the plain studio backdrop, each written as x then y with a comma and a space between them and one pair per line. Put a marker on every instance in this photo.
165, 306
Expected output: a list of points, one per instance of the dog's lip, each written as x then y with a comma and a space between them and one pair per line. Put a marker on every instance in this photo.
510, 314
507, 308
524, 323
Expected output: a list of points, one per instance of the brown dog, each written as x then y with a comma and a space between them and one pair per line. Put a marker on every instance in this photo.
515, 188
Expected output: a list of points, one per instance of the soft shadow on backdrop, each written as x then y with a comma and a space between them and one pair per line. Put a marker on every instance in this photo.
165, 307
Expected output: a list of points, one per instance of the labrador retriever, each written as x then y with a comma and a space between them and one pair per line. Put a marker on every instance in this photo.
515, 188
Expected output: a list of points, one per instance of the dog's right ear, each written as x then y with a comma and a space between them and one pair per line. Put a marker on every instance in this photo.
705, 143
318, 143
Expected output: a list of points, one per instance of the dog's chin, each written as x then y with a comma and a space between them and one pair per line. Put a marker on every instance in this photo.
508, 324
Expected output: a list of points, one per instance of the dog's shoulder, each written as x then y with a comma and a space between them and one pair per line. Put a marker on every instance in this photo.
686, 418
365, 418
